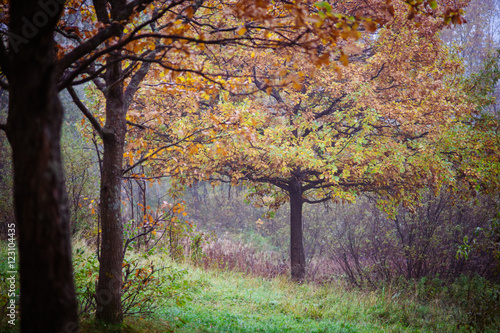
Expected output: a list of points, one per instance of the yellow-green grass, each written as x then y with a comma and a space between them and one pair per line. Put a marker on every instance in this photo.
224, 301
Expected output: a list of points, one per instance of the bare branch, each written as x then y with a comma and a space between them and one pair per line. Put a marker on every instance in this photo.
97, 126
88, 46
329, 197
148, 156
136, 80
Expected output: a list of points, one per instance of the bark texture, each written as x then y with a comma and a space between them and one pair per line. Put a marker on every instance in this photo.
48, 302
108, 293
297, 255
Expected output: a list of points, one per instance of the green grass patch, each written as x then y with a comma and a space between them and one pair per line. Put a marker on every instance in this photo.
234, 302
222, 301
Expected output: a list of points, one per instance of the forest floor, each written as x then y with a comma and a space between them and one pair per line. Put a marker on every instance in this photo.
223, 301
192, 299
233, 302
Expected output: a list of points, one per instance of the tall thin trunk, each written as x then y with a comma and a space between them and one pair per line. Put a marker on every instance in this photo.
108, 293
48, 302
297, 256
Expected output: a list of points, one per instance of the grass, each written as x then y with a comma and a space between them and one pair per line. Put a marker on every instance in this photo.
233, 302
228, 301
222, 301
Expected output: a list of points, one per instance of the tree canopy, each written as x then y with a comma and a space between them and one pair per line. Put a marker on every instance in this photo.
320, 133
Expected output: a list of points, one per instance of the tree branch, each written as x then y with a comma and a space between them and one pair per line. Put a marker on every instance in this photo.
97, 126
101, 10
136, 80
113, 29
263, 87
142, 127
88, 46
331, 108
147, 157
329, 197
93, 75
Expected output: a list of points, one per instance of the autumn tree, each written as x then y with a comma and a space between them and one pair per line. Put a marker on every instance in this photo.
105, 42
32, 68
173, 36
331, 133
116, 43
477, 155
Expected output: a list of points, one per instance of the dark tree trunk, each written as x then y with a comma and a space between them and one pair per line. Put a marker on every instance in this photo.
48, 302
108, 293
297, 256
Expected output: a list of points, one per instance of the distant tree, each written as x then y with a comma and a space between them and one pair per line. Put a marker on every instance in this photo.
475, 39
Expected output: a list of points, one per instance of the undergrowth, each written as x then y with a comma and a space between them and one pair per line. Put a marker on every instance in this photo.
161, 295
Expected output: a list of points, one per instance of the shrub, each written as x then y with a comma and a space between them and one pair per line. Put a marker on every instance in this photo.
144, 283
479, 300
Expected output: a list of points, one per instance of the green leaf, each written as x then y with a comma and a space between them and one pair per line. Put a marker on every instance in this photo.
323, 5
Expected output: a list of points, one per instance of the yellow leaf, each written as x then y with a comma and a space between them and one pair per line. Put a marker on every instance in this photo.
339, 73
190, 12
297, 86
252, 55
344, 59
241, 31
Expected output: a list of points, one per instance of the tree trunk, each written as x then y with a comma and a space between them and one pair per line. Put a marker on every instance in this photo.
48, 302
297, 256
108, 293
